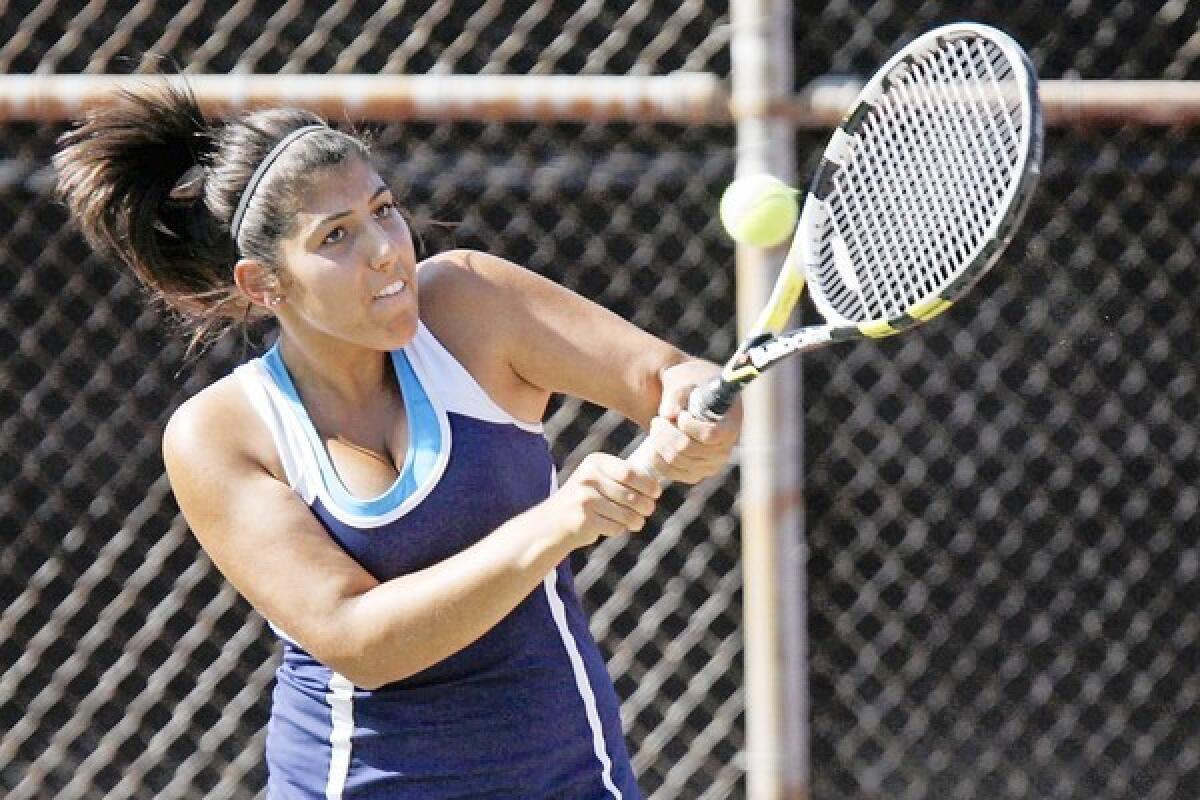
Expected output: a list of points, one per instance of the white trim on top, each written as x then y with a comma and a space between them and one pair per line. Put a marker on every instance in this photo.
559, 612
302, 452
299, 462
341, 710
456, 386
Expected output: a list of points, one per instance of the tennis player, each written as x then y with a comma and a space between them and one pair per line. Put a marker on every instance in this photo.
377, 484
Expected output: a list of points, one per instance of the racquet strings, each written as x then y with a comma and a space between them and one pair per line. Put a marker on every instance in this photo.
926, 177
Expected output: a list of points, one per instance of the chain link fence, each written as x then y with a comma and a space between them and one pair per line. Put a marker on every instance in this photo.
127, 667
1003, 578
1000, 509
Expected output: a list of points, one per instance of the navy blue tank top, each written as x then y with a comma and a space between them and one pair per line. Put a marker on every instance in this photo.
526, 711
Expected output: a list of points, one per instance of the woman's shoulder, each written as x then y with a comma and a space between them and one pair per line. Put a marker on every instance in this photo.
496, 291
451, 271
474, 303
462, 295
219, 423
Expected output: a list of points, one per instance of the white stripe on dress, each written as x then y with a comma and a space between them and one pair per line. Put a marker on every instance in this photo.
341, 703
559, 612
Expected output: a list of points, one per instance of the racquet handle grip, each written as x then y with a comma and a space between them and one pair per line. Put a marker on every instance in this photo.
643, 458
709, 401
713, 400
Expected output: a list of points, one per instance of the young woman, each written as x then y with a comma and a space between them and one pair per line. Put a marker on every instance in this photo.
377, 484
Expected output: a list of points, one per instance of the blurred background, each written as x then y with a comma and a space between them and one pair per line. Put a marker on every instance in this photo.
1000, 510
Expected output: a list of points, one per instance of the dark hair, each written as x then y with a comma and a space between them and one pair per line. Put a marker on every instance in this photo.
151, 183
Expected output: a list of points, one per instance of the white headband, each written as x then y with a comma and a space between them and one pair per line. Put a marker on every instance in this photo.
235, 226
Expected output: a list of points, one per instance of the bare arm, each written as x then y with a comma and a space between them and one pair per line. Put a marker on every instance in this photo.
558, 342
268, 544
553, 339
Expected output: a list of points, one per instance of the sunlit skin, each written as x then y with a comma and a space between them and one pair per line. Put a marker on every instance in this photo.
348, 244
519, 335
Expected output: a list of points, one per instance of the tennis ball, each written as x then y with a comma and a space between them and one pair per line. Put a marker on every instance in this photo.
759, 210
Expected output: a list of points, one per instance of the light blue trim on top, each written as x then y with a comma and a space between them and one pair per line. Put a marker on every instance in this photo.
424, 438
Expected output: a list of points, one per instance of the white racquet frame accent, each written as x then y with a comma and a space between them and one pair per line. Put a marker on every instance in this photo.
920, 189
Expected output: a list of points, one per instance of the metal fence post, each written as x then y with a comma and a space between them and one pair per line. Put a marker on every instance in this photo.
771, 494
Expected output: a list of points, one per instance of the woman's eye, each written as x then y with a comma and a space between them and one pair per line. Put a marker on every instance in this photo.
335, 236
385, 210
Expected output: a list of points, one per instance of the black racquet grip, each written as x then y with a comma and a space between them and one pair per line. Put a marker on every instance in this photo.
713, 399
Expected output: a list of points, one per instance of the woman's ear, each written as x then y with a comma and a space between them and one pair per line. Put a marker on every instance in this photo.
258, 283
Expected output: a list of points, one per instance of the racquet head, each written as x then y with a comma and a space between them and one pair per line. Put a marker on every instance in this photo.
923, 184
919, 190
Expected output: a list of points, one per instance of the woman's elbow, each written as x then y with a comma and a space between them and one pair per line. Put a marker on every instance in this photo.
371, 673
368, 661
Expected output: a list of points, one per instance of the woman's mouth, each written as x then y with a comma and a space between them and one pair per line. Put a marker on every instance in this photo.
392, 289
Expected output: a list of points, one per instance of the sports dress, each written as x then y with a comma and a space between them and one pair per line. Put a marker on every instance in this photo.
528, 710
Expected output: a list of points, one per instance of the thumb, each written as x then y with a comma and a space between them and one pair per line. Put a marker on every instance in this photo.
674, 400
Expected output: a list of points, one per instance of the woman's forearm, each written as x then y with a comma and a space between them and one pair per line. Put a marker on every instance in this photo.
407, 624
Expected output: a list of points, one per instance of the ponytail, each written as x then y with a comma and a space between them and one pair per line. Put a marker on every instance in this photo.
152, 185
133, 177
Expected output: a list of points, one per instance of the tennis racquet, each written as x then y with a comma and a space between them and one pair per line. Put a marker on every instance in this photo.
919, 190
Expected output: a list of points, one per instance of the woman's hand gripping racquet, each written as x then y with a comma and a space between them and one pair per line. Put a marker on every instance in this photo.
918, 192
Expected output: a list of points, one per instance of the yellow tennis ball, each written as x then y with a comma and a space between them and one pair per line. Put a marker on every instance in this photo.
759, 210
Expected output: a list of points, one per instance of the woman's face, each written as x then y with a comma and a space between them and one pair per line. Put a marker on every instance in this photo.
350, 265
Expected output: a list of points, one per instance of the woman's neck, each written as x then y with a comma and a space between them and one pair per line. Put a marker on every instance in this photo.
350, 375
